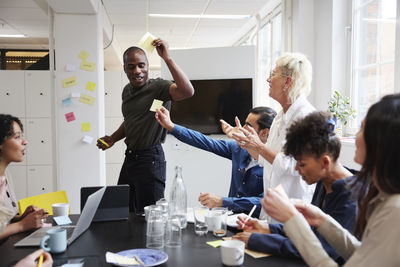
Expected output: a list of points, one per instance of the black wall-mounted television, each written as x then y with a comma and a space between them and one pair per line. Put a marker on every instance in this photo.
214, 100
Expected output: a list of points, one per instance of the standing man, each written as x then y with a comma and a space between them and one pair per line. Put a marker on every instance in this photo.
144, 168
246, 189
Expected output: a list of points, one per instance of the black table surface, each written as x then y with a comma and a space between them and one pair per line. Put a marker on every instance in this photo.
130, 234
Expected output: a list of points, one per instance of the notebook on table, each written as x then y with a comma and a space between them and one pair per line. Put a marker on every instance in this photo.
73, 232
115, 203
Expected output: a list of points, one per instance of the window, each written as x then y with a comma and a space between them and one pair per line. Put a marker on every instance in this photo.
24, 59
269, 49
373, 53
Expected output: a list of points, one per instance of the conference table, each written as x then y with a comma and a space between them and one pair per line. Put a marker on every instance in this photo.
116, 236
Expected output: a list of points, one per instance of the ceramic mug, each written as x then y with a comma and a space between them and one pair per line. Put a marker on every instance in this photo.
232, 252
55, 240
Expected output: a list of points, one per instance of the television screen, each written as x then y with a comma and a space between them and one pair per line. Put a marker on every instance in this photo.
214, 100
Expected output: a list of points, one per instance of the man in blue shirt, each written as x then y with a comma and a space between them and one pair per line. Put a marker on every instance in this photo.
246, 188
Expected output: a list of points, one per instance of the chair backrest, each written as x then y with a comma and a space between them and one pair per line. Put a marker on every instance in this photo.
43, 201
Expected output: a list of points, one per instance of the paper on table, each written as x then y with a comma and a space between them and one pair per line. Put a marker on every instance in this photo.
254, 254
157, 104
114, 258
281, 190
215, 244
62, 220
145, 42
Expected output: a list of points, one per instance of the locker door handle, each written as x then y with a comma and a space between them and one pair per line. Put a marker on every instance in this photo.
7, 93
42, 141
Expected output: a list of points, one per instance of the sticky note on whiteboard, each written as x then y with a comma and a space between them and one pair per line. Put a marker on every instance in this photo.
66, 102
91, 86
83, 55
87, 99
85, 126
87, 139
157, 104
70, 116
89, 66
68, 82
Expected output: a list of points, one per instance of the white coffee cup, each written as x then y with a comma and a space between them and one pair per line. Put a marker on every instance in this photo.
232, 252
60, 209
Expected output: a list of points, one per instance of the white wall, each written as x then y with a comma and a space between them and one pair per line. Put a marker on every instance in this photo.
204, 171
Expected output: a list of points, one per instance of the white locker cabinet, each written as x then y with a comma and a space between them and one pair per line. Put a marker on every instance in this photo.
39, 180
39, 148
112, 93
112, 173
115, 154
18, 174
12, 96
37, 92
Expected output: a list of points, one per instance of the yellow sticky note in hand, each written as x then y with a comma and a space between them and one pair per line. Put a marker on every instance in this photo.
89, 66
157, 104
83, 55
85, 127
215, 244
145, 42
71, 81
91, 86
87, 99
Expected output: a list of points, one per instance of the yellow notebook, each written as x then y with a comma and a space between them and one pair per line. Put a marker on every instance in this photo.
43, 201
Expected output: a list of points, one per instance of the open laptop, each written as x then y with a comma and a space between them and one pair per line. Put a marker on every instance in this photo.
115, 203
73, 232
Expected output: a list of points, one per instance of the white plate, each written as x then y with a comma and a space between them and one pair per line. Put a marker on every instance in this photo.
150, 257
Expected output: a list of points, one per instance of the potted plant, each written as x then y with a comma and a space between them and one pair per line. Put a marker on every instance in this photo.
340, 108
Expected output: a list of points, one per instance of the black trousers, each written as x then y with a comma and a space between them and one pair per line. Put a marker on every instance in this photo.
145, 172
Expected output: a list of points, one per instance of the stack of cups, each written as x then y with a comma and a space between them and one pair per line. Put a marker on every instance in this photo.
155, 229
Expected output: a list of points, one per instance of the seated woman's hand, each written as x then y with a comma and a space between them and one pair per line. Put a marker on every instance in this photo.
252, 225
277, 206
243, 236
314, 215
32, 221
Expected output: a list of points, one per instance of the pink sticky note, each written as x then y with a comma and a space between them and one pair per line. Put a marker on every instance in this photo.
47, 225
70, 116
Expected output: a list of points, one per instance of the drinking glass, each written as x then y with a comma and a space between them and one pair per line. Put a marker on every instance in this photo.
200, 225
155, 230
173, 235
216, 221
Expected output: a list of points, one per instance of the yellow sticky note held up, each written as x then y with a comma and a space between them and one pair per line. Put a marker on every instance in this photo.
89, 66
91, 86
215, 244
83, 55
87, 99
145, 42
157, 104
85, 127
71, 81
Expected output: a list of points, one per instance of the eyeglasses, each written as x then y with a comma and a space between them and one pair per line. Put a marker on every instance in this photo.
273, 74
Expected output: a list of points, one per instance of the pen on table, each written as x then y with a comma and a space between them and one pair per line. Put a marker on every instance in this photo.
249, 216
40, 261
101, 140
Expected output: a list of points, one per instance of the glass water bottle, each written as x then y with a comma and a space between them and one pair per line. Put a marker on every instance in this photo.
178, 198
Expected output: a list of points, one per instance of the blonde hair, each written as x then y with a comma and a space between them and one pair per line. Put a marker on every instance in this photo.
298, 67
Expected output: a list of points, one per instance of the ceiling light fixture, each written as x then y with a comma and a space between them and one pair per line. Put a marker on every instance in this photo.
12, 35
201, 16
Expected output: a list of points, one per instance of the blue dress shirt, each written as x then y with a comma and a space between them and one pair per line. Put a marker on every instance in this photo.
339, 204
246, 188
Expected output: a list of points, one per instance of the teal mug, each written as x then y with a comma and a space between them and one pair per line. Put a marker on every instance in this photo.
55, 241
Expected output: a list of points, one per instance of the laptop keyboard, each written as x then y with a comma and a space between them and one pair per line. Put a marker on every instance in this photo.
41, 234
